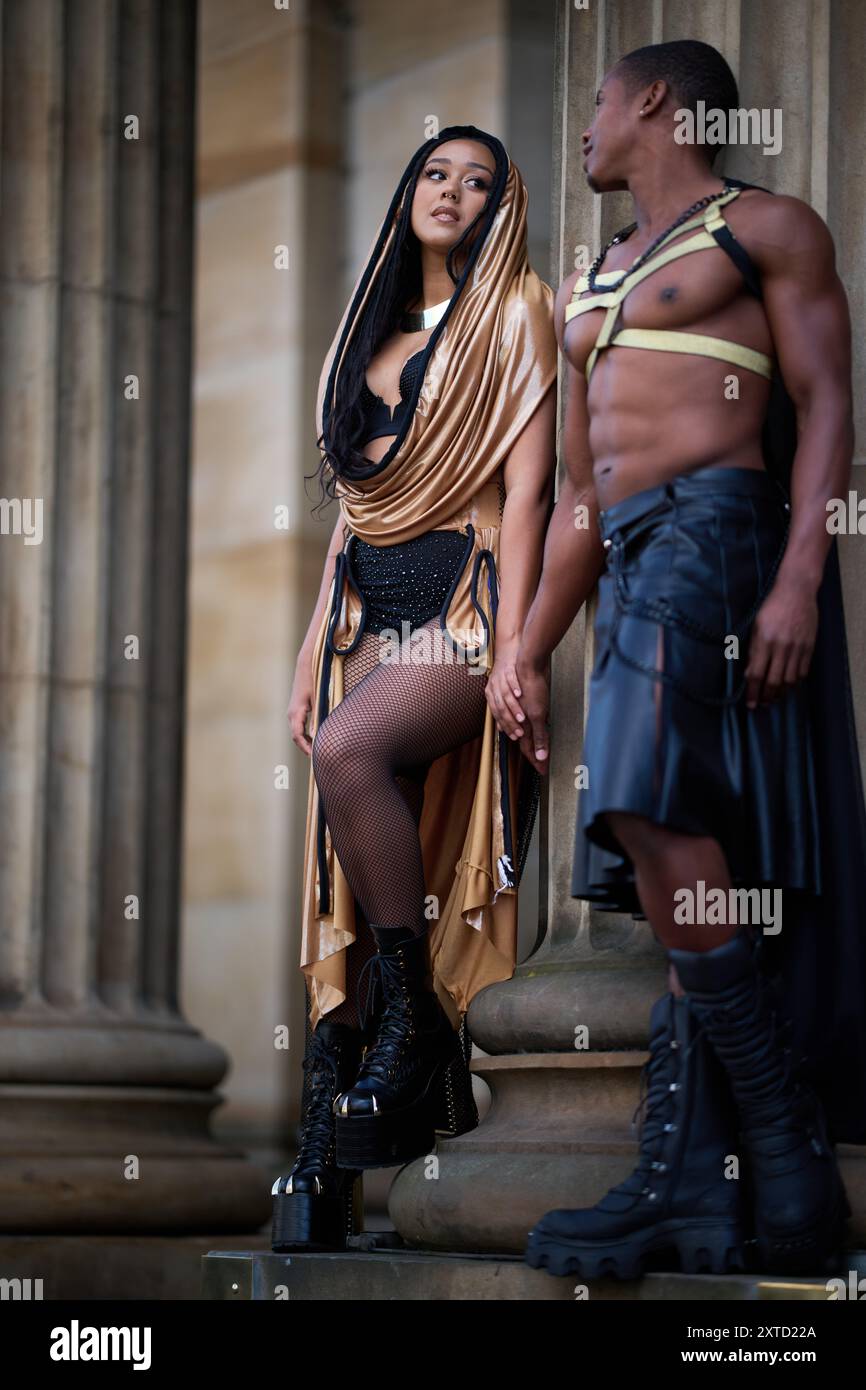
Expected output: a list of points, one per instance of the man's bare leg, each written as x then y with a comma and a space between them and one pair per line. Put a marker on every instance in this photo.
665, 861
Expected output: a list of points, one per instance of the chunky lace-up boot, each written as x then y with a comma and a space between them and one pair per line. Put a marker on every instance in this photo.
684, 1195
800, 1201
414, 1081
317, 1205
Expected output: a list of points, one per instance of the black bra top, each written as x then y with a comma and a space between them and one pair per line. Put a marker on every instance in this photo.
378, 419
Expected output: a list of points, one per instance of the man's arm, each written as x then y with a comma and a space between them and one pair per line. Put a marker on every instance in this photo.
573, 558
807, 311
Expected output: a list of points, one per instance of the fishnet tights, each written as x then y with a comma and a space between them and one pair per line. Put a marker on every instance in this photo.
370, 758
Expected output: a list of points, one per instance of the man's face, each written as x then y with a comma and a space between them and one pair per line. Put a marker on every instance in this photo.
609, 140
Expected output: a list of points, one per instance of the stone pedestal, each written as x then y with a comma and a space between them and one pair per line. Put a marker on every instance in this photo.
105, 1089
238, 1276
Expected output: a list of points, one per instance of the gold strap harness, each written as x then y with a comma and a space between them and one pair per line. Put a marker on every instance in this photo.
660, 339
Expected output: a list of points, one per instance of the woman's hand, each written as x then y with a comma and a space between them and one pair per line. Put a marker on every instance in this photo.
535, 688
301, 702
503, 690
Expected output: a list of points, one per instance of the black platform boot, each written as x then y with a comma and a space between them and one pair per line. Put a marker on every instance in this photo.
800, 1201
414, 1081
317, 1205
680, 1197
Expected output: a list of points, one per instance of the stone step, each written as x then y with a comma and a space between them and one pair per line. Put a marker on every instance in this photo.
394, 1274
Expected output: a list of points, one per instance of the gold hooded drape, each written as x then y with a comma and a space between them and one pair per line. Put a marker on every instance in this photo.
486, 367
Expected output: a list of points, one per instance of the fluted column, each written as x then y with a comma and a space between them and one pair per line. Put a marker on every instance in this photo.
105, 1089
558, 1131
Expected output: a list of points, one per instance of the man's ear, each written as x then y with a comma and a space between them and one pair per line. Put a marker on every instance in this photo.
654, 96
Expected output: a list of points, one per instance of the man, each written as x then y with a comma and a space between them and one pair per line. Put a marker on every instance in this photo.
708, 745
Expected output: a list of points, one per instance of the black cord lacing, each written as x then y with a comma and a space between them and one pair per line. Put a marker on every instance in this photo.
317, 1133
386, 984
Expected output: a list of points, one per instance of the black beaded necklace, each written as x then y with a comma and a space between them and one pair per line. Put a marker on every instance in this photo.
626, 232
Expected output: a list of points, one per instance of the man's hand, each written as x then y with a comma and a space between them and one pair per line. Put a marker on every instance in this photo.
782, 642
535, 698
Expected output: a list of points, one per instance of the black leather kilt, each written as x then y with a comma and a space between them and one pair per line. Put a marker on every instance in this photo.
668, 735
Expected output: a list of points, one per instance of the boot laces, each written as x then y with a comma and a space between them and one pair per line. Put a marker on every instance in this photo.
656, 1099
376, 969
317, 1126
397, 1024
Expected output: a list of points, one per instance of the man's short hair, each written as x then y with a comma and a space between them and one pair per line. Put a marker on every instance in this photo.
694, 72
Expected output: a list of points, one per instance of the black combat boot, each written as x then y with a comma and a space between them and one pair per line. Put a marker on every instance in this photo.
684, 1195
317, 1205
414, 1081
800, 1201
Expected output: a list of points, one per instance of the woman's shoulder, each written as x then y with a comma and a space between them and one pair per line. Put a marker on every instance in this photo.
529, 310
531, 298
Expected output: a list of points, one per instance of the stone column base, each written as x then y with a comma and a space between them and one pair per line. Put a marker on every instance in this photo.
121, 1159
557, 1134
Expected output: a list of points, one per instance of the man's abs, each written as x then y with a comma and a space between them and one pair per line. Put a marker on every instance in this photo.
653, 416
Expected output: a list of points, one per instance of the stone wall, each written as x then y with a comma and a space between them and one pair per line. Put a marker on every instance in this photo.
271, 174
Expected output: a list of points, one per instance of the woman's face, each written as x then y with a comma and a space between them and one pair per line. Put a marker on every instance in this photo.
451, 190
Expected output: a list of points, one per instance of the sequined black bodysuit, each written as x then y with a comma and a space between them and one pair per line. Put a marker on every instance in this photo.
408, 582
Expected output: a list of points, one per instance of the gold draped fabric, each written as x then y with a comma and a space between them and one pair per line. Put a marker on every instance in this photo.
487, 366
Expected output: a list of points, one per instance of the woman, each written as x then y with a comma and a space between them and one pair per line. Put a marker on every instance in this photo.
436, 414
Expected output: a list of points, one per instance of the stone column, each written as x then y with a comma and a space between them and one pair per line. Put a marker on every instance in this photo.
558, 1131
105, 1089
